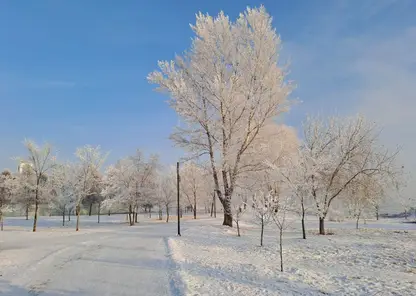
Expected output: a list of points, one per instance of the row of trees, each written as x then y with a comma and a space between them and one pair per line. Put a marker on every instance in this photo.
65, 187
229, 88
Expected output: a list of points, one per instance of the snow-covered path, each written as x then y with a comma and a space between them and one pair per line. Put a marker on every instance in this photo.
113, 260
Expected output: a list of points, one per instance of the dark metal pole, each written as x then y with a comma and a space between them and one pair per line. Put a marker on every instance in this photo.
215, 206
179, 216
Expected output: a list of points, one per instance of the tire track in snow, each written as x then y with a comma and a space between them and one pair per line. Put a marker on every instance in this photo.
176, 285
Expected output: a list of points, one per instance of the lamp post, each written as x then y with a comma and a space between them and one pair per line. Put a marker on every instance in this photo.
178, 181
214, 205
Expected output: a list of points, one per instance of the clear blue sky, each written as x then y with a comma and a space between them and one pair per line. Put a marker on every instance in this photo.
74, 72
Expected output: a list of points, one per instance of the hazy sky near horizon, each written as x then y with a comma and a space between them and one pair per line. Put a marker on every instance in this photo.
74, 72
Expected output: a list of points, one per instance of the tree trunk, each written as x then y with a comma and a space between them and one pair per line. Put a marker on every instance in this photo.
69, 215
1, 220
238, 228
303, 226
303, 221
90, 210
215, 207
356, 222
27, 212
150, 213
405, 214
98, 212
212, 209
109, 212
228, 216
78, 212
35, 219
130, 216
281, 248
136, 218
377, 213
194, 206
262, 232
167, 214
322, 226
63, 217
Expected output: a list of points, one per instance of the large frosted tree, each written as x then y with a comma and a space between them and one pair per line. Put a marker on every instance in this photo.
225, 89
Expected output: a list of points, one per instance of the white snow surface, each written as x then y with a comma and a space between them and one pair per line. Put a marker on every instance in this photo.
112, 258
379, 259
109, 258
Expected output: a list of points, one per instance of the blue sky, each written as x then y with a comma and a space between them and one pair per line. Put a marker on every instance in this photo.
74, 72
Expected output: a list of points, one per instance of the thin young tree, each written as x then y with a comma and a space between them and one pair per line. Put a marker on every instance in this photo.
239, 208
295, 172
40, 161
281, 205
225, 89
261, 211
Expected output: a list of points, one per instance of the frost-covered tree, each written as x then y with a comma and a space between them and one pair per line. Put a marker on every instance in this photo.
89, 161
296, 173
226, 88
261, 211
131, 183
63, 184
24, 189
192, 184
239, 207
362, 196
41, 160
95, 198
343, 150
167, 189
282, 203
5, 194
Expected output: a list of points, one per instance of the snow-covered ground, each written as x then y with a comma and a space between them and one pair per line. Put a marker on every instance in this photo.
379, 259
112, 258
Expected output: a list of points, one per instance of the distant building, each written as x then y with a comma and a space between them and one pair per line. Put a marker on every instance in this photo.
23, 164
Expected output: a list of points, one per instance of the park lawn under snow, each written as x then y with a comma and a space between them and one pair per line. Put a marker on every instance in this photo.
377, 260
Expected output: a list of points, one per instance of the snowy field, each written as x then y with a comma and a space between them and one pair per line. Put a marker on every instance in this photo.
112, 258
377, 260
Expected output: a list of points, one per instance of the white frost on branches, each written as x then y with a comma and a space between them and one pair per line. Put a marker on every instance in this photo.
226, 89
